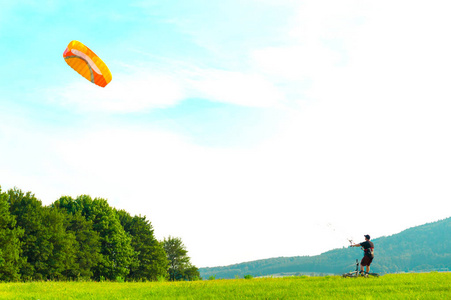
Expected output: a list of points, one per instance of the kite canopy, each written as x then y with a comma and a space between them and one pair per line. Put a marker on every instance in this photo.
87, 63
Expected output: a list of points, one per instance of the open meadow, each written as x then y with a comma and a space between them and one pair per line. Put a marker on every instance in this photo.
392, 286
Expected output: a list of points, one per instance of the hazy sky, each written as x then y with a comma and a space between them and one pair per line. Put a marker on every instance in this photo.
250, 129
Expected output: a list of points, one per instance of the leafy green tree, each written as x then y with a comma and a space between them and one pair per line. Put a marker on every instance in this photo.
116, 250
62, 257
180, 267
191, 273
10, 250
47, 247
151, 260
35, 247
87, 246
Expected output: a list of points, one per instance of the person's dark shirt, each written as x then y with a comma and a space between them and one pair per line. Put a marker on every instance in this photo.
368, 247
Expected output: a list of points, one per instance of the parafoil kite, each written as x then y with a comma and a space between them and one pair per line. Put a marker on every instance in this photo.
87, 63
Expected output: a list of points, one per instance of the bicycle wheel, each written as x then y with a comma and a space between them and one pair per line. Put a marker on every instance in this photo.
350, 274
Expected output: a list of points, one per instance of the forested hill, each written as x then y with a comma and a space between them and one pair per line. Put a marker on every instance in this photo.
422, 248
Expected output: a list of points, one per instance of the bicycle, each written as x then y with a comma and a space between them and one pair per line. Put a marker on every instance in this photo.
357, 272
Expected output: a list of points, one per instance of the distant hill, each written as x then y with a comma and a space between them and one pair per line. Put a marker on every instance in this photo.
417, 249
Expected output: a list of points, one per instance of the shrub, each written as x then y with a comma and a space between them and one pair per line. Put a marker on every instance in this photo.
119, 279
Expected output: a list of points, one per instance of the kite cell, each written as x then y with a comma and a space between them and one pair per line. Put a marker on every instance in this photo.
87, 63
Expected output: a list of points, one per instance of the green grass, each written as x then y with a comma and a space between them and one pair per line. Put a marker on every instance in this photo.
396, 286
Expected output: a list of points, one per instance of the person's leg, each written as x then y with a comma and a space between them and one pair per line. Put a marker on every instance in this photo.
370, 260
363, 263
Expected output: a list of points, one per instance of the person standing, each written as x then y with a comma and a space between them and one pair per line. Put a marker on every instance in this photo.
368, 253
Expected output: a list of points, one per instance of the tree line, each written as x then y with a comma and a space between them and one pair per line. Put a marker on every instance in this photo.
83, 239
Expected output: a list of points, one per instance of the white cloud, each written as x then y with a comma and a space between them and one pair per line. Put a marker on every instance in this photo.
295, 63
143, 88
236, 88
125, 93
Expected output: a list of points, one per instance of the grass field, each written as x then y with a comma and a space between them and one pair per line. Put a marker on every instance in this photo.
396, 286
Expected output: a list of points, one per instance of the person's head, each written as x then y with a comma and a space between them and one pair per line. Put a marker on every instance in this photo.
367, 237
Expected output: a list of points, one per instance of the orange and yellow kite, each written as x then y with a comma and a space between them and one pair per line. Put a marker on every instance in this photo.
87, 63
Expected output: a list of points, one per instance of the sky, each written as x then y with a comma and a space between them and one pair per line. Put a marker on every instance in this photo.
249, 129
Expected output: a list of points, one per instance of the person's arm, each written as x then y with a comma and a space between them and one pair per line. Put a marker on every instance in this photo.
356, 245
